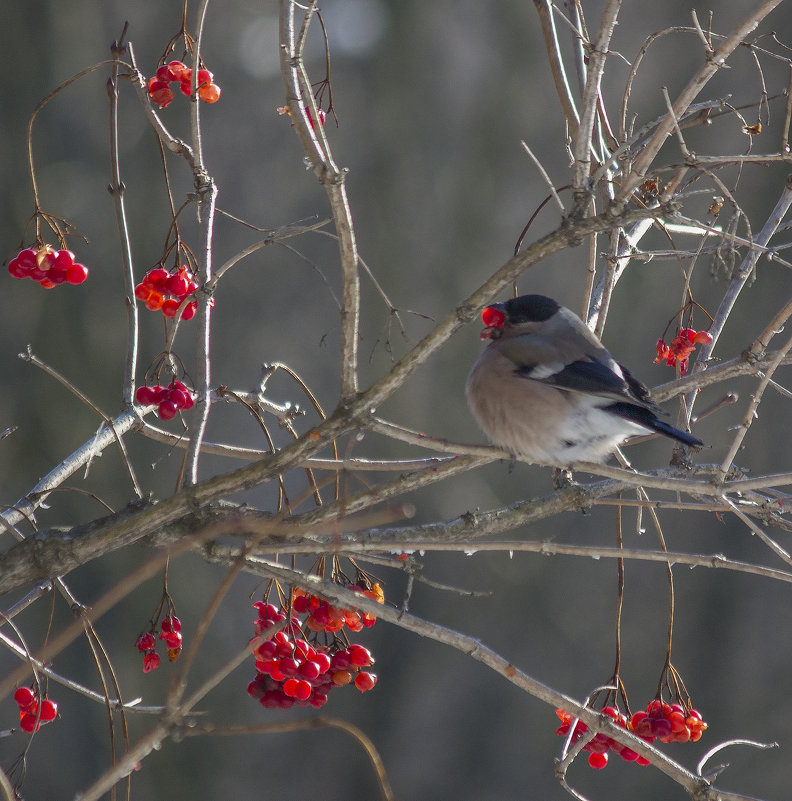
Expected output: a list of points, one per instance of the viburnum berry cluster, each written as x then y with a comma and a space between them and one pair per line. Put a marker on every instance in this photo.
170, 632
600, 744
32, 714
682, 345
169, 400
322, 616
669, 723
178, 72
293, 671
165, 291
48, 266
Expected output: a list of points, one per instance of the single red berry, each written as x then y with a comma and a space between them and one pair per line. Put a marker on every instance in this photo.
341, 677
365, 681
170, 307
211, 93
177, 69
360, 656
598, 761
204, 77
145, 396
173, 640
323, 660
25, 697
142, 291
171, 623
340, 660
300, 604
17, 269
49, 710
154, 301
310, 670
185, 85
178, 284
702, 338
164, 75
493, 317
288, 666
166, 410
267, 651
179, 398
158, 278
28, 258
28, 722
76, 274
63, 260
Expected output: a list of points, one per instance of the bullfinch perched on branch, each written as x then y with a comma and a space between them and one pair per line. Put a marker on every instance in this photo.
546, 389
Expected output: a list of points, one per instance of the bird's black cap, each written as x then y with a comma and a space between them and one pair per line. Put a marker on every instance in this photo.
530, 309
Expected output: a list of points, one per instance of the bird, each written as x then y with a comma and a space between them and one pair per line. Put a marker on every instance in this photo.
547, 390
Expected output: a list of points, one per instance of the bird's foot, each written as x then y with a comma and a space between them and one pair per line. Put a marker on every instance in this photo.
562, 478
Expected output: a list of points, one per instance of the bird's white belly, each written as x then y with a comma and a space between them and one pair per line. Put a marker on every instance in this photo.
543, 424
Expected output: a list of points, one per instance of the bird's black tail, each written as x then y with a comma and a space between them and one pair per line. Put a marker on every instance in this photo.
649, 419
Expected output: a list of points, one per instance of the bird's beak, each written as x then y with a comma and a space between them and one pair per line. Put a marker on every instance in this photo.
493, 317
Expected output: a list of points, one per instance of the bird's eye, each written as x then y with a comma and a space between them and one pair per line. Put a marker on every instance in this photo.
493, 317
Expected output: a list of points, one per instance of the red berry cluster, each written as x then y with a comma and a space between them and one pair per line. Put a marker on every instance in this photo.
669, 723
170, 631
48, 266
322, 616
177, 72
161, 290
292, 671
682, 345
32, 714
168, 400
600, 744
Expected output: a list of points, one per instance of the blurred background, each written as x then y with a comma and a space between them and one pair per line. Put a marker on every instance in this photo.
432, 100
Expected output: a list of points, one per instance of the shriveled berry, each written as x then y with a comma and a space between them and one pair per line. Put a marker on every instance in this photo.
146, 642
151, 661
